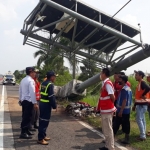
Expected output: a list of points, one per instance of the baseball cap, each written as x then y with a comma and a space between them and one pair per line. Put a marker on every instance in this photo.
50, 74
29, 69
141, 73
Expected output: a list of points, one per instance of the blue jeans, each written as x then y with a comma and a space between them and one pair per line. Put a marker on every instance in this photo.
140, 119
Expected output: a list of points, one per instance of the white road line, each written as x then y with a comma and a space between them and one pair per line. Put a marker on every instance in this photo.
2, 120
100, 134
6, 138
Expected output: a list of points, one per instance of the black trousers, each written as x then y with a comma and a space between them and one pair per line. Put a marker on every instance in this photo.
27, 108
124, 121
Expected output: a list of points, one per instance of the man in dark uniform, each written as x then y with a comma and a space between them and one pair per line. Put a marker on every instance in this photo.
47, 102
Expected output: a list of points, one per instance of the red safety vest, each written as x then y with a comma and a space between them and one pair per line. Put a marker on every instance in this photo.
105, 104
37, 89
117, 89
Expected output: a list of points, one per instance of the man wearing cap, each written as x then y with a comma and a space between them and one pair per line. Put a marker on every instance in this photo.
35, 113
28, 101
47, 102
141, 103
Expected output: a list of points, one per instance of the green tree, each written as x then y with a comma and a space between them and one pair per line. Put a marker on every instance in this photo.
52, 58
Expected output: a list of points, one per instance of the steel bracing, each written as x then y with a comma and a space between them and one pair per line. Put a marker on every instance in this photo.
90, 34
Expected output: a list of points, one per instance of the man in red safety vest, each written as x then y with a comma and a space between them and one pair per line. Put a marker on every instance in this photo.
35, 113
117, 86
107, 108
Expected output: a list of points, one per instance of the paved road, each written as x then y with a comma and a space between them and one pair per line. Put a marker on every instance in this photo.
66, 132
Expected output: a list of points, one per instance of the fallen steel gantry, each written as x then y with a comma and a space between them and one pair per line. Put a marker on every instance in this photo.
90, 36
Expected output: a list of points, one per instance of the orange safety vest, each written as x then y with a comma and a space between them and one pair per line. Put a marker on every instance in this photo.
105, 104
37, 89
138, 95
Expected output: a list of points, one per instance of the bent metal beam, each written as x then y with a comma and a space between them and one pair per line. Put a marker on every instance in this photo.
64, 47
89, 21
122, 65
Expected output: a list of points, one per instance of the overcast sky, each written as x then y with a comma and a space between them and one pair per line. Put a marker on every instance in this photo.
13, 55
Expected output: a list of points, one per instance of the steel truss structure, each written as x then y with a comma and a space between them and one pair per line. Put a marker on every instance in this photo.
89, 32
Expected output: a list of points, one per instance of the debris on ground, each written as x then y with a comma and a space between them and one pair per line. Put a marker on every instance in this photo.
81, 109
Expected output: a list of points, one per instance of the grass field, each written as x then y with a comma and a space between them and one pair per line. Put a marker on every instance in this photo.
96, 122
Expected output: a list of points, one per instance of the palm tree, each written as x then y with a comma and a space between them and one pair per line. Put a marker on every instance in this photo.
54, 56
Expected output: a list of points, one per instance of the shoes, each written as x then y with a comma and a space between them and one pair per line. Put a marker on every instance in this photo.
42, 142
35, 126
103, 141
148, 134
25, 136
141, 139
103, 148
126, 139
31, 129
47, 138
29, 133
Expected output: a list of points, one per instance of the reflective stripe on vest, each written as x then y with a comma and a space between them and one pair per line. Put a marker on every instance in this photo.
108, 110
45, 93
105, 98
126, 107
44, 100
142, 100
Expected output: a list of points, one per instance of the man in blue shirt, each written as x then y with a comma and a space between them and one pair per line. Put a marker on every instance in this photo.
123, 105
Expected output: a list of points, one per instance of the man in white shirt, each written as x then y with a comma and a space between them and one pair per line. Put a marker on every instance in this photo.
27, 98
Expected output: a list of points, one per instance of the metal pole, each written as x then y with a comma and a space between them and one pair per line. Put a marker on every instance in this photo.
89, 21
48, 41
33, 24
74, 66
122, 65
51, 24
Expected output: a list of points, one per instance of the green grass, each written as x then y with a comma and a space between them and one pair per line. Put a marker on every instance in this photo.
92, 100
96, 122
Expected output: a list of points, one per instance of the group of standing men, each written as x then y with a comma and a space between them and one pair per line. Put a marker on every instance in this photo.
36, 100
116, 98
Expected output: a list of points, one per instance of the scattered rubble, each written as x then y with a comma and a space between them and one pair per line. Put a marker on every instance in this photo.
81, 109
